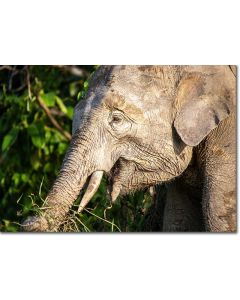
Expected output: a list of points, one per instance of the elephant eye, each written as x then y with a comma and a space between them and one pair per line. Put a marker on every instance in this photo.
117, 118
119, 123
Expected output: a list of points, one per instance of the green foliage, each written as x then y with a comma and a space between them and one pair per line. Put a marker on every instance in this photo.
32, 150
9, 139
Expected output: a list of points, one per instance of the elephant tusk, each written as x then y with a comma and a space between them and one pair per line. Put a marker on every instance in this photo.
91, 189
115, 192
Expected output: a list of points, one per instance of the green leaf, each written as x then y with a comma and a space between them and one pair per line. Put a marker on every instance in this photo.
56, 137
47, 134
62, 148
9, 226
79, 95
9, 139
73, 88
35, 161
24, 177
46, 150
16, 178
61, 105
36, 131
49, 99
85, 85
70, 112
48, 168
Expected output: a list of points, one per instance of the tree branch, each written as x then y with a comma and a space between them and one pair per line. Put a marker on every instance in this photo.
9, 68
74, 70
28, 84
55, 123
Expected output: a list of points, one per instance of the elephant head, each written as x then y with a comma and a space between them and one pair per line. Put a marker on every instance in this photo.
138, 124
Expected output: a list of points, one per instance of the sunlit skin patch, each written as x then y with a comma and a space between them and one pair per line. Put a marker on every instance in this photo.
118, 102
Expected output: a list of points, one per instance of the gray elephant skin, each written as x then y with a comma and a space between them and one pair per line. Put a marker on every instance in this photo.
149, 125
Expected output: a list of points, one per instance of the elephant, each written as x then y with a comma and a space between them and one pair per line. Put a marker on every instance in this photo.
150, 125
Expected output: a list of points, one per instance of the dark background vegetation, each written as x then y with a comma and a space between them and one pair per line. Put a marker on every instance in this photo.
36, 110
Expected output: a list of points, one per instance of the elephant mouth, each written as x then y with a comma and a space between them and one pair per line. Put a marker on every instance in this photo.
129, 176
94, 182
124, 177
114, 187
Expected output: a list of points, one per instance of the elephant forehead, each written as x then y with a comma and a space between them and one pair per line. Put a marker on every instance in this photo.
135, 89
136, 81
139, 90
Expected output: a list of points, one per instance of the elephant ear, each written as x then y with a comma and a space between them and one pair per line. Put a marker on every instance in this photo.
199, 115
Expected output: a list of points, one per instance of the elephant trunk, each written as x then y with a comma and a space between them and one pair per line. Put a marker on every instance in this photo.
78, 164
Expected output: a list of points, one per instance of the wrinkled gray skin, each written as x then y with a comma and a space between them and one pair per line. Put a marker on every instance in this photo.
145, 125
